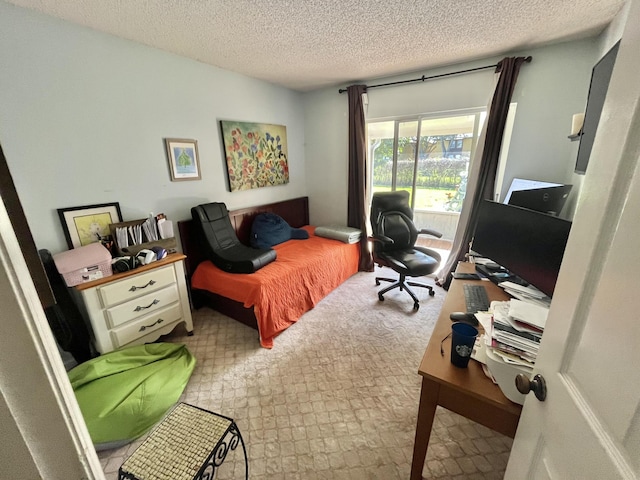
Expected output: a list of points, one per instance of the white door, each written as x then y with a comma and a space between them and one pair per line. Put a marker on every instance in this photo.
589, 425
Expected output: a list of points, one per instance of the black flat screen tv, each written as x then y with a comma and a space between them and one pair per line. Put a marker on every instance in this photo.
548, 200
600, 77
527, 243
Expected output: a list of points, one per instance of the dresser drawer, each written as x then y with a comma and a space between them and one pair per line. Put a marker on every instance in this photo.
137, 285
144, 325
140, 306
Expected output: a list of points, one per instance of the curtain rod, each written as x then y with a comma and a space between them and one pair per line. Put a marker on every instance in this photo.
423, 78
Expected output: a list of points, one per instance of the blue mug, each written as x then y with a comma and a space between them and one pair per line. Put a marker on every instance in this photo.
463, 337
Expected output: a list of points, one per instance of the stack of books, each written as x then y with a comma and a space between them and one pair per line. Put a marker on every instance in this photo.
516, 330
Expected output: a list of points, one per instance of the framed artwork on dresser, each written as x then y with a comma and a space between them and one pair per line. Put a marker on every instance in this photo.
89, 223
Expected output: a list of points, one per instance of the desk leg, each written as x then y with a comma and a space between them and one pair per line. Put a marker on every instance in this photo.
426, 413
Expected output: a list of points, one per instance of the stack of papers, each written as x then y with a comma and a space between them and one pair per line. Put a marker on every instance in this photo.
122, 237
529, 313
528, 294
165, 228
150, 230
135, 232
516, 330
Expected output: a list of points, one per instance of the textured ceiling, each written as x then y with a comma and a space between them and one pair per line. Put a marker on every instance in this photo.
306, 45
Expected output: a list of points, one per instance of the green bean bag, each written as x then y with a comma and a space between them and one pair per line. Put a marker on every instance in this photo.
125, 392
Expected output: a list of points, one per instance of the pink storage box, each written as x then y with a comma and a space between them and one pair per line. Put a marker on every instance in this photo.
83, 264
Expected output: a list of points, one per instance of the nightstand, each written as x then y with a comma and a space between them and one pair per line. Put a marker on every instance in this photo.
138, 306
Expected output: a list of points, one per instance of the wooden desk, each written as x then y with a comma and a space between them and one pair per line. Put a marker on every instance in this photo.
465, 391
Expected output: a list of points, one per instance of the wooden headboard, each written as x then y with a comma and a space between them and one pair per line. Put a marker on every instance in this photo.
294, 211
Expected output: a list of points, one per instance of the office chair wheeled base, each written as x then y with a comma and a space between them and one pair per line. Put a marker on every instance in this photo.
403, 285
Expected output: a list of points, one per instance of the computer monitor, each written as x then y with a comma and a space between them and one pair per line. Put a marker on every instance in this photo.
527, 243
547, 200
526, 184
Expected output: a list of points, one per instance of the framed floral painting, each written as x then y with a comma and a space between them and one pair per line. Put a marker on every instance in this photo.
256, 154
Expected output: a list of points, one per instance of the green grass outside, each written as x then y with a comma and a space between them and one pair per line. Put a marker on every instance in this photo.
426, 198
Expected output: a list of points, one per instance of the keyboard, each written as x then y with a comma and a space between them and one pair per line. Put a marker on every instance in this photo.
475, 298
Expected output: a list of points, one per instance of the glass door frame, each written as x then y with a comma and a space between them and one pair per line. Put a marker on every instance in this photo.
419, 118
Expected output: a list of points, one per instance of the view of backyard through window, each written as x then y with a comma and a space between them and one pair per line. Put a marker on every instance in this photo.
427, 156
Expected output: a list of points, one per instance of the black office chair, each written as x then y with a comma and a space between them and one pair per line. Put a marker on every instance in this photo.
394, 237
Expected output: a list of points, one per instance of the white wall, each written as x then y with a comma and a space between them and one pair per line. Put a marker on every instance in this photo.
549, 91
606, 40
83, 117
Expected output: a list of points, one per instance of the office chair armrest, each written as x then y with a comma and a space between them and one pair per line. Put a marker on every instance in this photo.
380, 239
427, 231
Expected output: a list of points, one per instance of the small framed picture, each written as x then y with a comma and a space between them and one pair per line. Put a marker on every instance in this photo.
184, 163
89, 223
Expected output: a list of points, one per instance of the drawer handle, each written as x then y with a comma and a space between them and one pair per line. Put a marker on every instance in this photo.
144, 327
138, 308
150, 282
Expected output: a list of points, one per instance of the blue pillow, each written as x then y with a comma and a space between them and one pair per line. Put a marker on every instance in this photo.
269, 229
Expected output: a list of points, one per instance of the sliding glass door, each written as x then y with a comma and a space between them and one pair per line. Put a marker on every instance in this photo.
429, 157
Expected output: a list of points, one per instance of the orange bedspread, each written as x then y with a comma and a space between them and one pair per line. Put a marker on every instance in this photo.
304, 272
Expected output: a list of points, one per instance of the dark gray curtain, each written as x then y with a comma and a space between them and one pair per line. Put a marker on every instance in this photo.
508, 69
356, 209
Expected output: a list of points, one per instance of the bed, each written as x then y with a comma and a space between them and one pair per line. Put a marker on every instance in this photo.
276, 296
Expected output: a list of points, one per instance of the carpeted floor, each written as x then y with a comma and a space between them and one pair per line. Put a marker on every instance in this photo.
337, 396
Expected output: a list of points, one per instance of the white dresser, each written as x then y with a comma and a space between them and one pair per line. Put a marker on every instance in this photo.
138, 306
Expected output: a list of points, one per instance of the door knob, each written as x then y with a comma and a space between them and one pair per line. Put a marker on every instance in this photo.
538, 386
